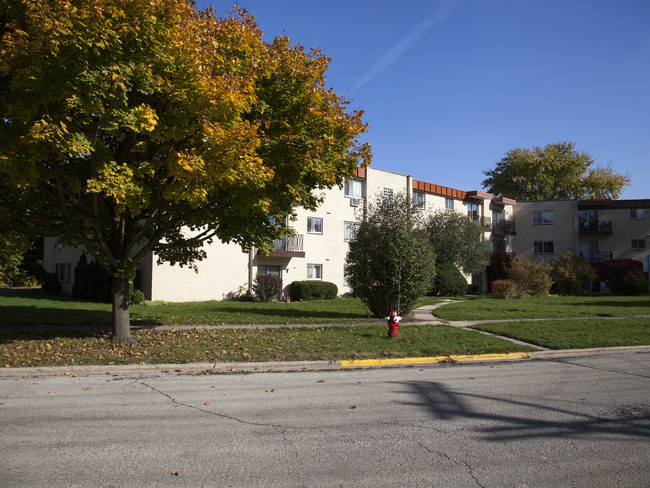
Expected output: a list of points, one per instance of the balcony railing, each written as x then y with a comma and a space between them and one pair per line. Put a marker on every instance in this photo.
288, 247
596, 258
504, 227
482, 221
289, 243
595, 227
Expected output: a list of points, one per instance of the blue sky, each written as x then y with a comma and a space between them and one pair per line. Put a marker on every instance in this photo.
449, 86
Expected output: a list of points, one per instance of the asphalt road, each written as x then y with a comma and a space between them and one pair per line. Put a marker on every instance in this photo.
572, 422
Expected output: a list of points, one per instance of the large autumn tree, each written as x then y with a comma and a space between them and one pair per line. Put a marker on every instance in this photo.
139, 126
553, 172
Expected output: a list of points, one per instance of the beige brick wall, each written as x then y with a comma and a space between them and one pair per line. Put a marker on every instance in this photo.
562, 232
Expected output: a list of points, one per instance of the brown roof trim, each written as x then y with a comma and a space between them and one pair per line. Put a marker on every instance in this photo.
479, 194
444, 191
504, 200
612, 204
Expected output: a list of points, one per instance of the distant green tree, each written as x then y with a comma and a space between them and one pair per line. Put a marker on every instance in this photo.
554, 172
390, 263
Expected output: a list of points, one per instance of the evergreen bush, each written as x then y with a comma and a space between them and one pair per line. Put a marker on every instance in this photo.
51, 284
312, 290
449, 281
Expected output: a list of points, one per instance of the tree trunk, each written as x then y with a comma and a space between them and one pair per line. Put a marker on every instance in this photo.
121, 320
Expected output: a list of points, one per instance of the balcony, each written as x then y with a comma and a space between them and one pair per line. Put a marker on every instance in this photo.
504, 227
483, 222
591, 227
288, 247
597, 258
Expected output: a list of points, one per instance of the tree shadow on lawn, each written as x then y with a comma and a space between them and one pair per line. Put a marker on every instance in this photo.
296, 314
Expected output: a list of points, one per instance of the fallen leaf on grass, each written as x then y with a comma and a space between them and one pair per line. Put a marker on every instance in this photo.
175, 473
270, 390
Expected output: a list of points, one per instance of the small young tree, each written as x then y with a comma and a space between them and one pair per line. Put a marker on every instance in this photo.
390, 263
571, 274
531, 278
267, 287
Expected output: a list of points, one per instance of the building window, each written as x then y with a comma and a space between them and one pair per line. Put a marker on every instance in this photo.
350, 230
314, 225
543, 247
388, 194
419, 200
637, 213
638, 243
314, 271
544, 217
269, 269
449, 203
353, 189
64, 272
472, 211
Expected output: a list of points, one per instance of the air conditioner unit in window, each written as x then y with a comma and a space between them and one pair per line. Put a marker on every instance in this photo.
355, 202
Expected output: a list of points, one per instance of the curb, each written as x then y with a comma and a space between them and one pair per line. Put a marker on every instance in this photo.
300, 366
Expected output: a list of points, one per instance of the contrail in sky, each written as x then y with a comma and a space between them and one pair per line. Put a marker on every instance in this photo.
417, 33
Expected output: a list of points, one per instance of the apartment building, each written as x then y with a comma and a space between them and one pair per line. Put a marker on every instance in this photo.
597, 230
318, 250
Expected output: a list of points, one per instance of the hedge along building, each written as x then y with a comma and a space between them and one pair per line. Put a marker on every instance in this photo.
319, 248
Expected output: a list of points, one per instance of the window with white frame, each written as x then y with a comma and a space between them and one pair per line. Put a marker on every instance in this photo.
543, 217
350, 230
638, 243
419, 200
543, 247
637, 213
449, 203
388, 194
472, 211
64, 272
353, 189
346, 280
314, 225
314, 271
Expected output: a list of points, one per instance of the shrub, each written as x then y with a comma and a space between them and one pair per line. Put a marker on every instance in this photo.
624, 276
449, 281
266, 287
571, 274
498, 267
390, 262
312, 290
91, 282
530, 278
503, 289
51, 284
136, 297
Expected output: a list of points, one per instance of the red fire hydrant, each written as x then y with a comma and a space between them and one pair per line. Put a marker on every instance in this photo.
393, 323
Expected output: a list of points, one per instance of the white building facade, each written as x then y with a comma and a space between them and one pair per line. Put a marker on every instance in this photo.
318, 250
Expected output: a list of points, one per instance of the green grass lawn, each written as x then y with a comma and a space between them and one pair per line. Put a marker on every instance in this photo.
31, 307
551, 306
37, 330
576, 333
51, 348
